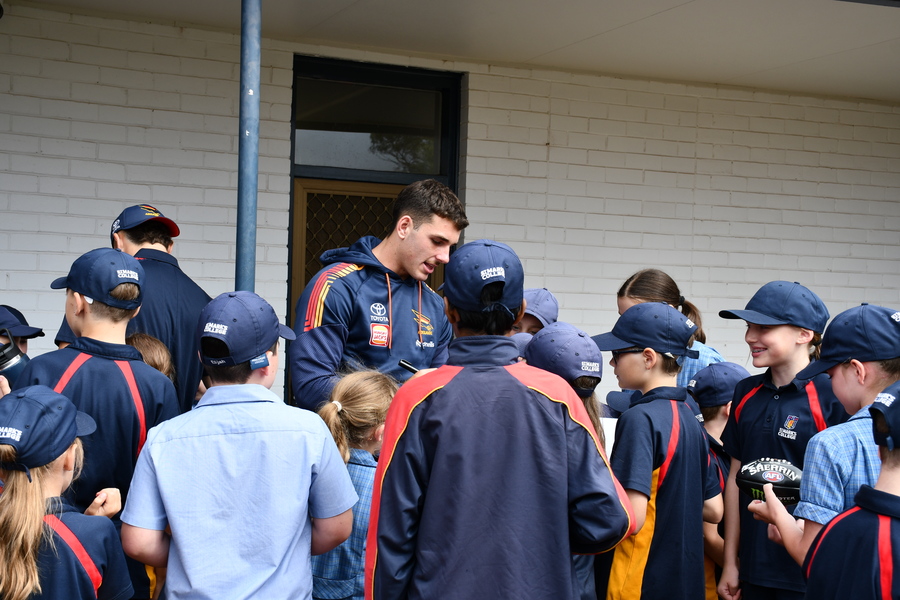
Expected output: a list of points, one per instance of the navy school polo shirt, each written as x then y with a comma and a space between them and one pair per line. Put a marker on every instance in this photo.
871, 568
87, 562
766, 421
661, 450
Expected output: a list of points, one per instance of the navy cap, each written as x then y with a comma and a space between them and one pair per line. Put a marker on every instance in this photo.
542, 305
15, 322
866, 333
478, 263
521, 339
783, 303
96, 273
566, 351
886, 404
714, 384
247, 325
135, 215
653, 325
41, 425
621, 400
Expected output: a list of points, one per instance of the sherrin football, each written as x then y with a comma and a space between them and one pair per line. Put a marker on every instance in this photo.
784, 477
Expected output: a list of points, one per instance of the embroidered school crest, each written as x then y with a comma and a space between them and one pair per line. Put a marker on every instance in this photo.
791, 422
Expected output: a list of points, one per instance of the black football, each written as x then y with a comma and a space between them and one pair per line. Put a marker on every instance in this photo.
784, 477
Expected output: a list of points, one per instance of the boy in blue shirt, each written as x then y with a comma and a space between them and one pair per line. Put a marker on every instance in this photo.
870, 530
248, 486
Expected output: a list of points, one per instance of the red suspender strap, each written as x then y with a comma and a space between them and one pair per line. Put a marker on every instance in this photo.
70, 371
885, 557
673, 444
740, 406
125, 367
815, 406
75, 545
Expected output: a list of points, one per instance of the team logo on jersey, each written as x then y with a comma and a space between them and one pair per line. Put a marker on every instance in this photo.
791, 422
378, 313
380, 335
884, 398
773, 476
425, 326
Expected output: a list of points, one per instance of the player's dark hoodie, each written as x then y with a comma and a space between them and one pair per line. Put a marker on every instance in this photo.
356, 312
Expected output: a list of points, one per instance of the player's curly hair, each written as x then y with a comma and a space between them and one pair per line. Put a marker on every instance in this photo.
428, 198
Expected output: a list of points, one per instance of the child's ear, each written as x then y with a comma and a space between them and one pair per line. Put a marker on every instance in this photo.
650, 358
452, 314
521, 312
378, 434
69, 459
805, 336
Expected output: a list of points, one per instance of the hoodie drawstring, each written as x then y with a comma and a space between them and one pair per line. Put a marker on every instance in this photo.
387, 279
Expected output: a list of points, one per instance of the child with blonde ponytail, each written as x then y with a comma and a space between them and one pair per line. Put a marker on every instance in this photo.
48, 549
355, 414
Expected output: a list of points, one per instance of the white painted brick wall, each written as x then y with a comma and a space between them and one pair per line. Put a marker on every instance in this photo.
590, 178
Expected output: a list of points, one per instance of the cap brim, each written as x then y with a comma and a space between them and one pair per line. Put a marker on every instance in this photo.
84, 424
607, 342
174, 231
816, 367
286, 332
59, 283
619, 401
24, 331
751, 316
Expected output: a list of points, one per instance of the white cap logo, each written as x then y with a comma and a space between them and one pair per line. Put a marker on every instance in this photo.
896, 316
127, 274
216, 328
590, 367
886, 399
493, 272
688, 322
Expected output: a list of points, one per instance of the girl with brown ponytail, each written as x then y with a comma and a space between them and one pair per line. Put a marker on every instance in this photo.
653, 285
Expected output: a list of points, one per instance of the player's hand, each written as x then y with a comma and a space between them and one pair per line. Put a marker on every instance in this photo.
4, 386
729, 585
107, 503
